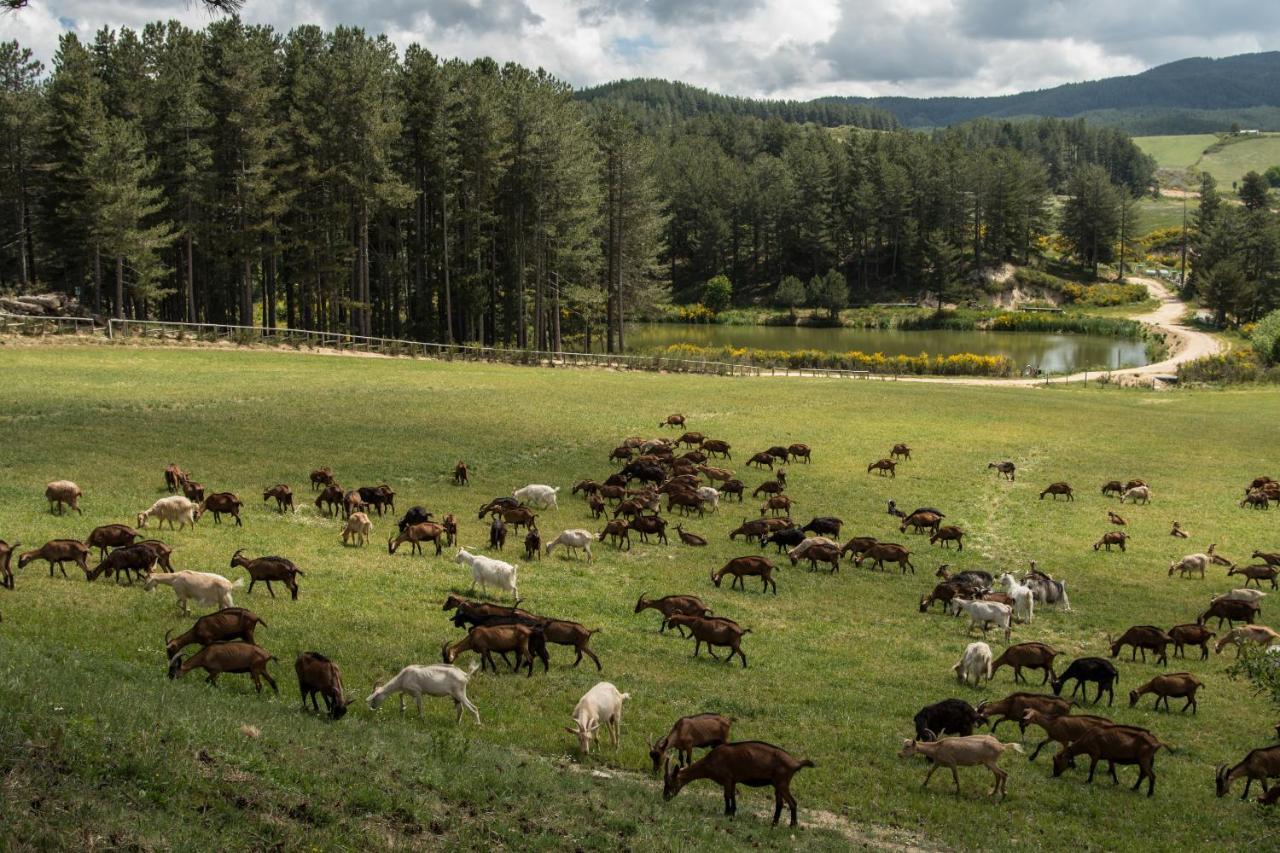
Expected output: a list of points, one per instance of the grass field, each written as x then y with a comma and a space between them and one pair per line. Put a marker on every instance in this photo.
1176, 152
98, 749
1227, 162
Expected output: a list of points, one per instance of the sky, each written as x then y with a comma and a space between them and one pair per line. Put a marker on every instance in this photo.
758, 48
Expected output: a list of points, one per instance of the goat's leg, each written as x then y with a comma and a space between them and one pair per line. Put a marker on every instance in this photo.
592, 655
929, 775
1039, 747
417, 700
270, 590
777, 804
955, 775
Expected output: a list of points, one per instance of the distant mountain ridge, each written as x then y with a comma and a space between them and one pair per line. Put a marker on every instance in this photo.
1189, 95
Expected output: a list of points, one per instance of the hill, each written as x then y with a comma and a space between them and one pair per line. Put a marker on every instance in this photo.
1225, 157
1188, 96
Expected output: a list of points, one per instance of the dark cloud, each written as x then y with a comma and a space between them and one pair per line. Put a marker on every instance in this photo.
477, 16
667, 11
875, 45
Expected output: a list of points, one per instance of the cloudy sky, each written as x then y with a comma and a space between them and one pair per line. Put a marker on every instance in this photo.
765, 48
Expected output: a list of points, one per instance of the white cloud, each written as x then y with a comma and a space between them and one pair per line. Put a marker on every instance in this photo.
769, 48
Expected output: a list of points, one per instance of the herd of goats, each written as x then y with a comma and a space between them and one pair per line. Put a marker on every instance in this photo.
630, 501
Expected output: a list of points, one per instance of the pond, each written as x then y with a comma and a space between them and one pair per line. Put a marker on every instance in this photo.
1054, 353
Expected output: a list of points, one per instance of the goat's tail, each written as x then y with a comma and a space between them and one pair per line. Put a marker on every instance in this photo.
298, 571
746, 630
237, 583
1016, 747
594, 631
475, 664
807, 763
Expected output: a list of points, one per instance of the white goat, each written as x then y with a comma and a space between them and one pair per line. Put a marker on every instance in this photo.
206, 589
709, 496
799, 551
1190, 564
984, 613
173, 508
542, 497
358, 528
486, 570
601, 703
1137, 493
1024, 598
438, 679
975, 664
1254, 595
573, 540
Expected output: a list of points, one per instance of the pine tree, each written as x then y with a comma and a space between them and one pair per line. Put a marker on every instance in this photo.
21, 124
1090, 219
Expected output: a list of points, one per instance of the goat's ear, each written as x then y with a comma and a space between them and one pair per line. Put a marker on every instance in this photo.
570, 731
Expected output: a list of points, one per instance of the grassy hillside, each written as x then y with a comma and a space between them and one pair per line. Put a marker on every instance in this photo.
99, 749
1176, 152
1227, 158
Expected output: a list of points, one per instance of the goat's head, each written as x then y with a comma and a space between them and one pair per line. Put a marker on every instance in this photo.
910, 747
175, 666
236, 558
584, 734
671, 783
375, 699
641, 603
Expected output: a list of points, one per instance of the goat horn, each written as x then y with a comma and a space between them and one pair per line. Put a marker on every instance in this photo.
167, 635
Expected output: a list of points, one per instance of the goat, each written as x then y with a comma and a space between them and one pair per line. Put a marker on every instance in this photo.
486, 570
647, 525
1231, 611
824, 525
208, 590
415, 515
1045, 589
950, 716
857, 545
330, 499
1258, 765
1114, 537
714, 631
497, 533
161, 550
1260, 634
618, 530
982, 614
882, 552
121, 562
745, 567
732, 486
944, 592
1140, 638
220, 503
970, 751
769, 487
533, 544
1063, 728
379, 497
173, 477
433, 680
283, 496
175, 508
319, 675
61, 492
1177, 531
921, 520
461, 476
676, 420
596, 504
777, 503
56, 552
883, 467
1024, 599
1217, 559
1256, 574
697, 731
1269, 559
946, 535
980, 579
1190, 635
1005, 469
716, 447
691, 439
562, 632
1113, 487
1243, 594
672, 605
820, 552
229, 623
975, 663
1028, 656
1178, 685
1115, 519
497, 505
1136, 494
601, 704
763, 459
232, 656
535, 495
691, 539
415, 535
268, 569
321, 477
111, 536
519, 517
1116, 745
573, 540
900, 451
193, 491
357, 528
800, 451
1056, 489
484, 640
751, 763
1088, 669
1189, 565
1013, 708
784, 539
6, 554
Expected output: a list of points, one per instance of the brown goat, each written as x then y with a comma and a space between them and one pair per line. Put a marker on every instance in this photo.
565, 633
618, 530
882, 552
672, 605
763, 459
461, 475
947, 534
111, 536
173, 477
234, 657
1113, 487
283, 496
56, 552
691, 539
124, 562
745, 567
676, 420
161, 550
330, 500
321, 477
751, 763
268, 569
1006, 469
6, 554
1256, 574
1027, 656
857, 545
716, 447
691, 439
697, 731
1269, 559
220, 503
1142, 638
416, 534
900, 451
1056, 489
921, 520
1177, 685
883, 467
1113, 537
1258, 764
776, 504
650, 525
822, 553
229, 623
1116, 745
800, 451
714, 631
319, 675
1014, 708
1063, 728
1191, 635
484, 640
1229, 610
